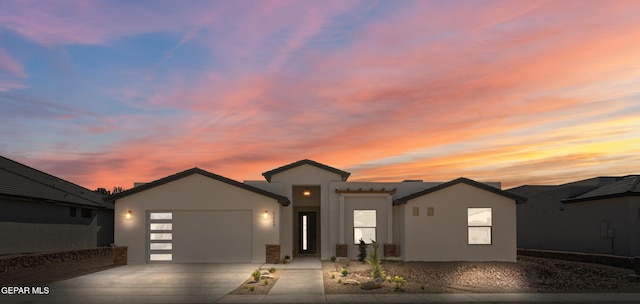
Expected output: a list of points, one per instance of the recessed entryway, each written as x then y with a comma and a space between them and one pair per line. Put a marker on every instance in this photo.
306, 220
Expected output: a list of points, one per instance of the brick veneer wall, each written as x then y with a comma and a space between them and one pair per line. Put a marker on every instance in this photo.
120, 255
390, 250
273, 254
341, 250
604, 259
30, 260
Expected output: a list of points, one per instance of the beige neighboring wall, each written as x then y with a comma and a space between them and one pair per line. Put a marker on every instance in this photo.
194, 192
443, 236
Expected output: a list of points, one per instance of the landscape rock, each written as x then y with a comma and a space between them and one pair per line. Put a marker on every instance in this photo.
374, 284
266, 276
351, 282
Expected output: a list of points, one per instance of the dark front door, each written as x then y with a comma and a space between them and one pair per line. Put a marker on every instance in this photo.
307, 232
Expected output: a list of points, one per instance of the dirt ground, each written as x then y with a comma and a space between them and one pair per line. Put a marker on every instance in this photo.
529, 274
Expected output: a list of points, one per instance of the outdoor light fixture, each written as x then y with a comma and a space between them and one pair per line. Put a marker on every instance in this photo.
306, 192
128, 215
265, 215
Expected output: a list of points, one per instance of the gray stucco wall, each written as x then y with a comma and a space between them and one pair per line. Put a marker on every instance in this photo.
29, 226
545, 223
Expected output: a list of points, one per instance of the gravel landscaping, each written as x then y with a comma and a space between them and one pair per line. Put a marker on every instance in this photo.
529, 274
259, 288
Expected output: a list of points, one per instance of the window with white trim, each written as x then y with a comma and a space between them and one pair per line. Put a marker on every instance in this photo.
364, 226
479, 226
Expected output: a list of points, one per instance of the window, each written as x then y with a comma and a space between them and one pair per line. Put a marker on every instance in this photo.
160, 236
364, 226
86, 213
479, 226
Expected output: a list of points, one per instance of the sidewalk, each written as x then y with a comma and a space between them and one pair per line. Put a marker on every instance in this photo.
301, 282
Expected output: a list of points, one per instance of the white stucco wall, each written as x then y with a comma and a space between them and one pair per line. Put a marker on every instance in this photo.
443, 237
194, 193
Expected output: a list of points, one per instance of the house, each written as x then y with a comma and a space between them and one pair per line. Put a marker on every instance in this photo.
309, 209
596, 215
40, 212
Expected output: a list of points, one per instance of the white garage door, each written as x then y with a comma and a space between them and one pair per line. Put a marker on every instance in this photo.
201, 237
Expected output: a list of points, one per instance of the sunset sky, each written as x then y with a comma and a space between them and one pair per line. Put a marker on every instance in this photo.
104, 94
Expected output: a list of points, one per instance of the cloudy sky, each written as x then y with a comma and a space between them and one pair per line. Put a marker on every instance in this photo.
524, 92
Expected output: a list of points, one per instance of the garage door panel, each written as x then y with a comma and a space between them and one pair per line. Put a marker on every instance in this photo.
212, 236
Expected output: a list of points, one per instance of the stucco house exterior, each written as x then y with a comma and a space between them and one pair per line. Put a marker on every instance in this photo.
310, 209
596, 215
40, 212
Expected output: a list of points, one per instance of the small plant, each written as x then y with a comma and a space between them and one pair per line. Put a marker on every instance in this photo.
287, 257
265, 281
333, 259
272, 270
362, 249
422, 286
389, 279
344, 272
333, 275
339, 281
376, 267
400, 281
252, 288
256, 275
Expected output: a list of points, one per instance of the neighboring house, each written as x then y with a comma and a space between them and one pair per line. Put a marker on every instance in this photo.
40, 212
597, 215
309, 209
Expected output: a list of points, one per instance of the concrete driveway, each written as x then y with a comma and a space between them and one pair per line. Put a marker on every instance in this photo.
149, 283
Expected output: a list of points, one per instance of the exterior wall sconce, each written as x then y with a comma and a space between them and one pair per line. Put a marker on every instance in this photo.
306, 192
128, 215
265, 215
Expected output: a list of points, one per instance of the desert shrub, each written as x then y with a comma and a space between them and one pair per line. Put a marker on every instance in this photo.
272, 270
333, 259
256, 275
333, 276
389, 279
362, 249
252, 288
376, 267
400, 281
339, 281
265, 281
344, 272
422, 286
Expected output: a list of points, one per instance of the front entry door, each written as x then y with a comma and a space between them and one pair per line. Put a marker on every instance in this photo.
307, 232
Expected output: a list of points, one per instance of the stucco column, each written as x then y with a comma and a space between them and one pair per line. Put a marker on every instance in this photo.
389, 220
341, 208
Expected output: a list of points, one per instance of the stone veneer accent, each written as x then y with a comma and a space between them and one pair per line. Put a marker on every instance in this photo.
120, 255
390, 250
273, 254
29, 260
341, 250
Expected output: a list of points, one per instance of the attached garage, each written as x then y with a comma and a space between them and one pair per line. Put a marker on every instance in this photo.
197, 217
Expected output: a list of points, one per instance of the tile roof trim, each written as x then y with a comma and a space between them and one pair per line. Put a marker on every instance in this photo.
470, 182
344, 174
281, 199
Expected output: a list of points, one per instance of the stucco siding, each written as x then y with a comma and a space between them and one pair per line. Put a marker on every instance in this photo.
28, 226
195, 193
443, 236
306, 175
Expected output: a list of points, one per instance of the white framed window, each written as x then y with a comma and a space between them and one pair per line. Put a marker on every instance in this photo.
479, 226
364, 226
